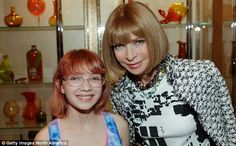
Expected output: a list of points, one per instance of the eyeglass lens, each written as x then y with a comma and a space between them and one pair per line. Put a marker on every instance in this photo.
95, 81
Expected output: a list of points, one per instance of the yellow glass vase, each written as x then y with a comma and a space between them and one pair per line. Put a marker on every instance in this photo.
10, 110
53, 19
6, 73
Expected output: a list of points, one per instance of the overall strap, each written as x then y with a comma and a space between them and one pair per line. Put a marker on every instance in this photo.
112, 131
54, 133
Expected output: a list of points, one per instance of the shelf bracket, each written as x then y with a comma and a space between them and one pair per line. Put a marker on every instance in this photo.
59, 31
189, 27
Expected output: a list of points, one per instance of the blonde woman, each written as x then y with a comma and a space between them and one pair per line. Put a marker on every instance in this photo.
166, 101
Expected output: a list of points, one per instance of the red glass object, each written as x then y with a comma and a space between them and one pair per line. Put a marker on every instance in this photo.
36, 7
30, 110
182, 52
34, 65
176, 12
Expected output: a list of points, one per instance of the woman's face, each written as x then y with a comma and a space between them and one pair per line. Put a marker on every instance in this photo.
134, 56
83, 90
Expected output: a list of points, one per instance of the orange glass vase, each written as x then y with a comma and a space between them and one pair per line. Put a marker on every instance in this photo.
30, 110
53, 19
13, 19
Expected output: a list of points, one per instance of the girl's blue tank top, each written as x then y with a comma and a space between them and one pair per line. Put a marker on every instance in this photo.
113, 138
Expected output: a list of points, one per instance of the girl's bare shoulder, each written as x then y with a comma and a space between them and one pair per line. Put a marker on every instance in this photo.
119, 119
42, 134
123, 128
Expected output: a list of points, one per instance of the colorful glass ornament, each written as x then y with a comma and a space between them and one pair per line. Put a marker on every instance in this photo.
30, 110
176, 12
53, 19
6, 73
11, 109
36, 7
182, 51
34, 65
13, 19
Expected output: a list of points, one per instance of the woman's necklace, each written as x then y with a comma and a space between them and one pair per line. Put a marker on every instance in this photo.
158, 74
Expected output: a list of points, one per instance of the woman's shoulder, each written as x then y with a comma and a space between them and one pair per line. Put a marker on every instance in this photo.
191, 65
189, 62
188, 71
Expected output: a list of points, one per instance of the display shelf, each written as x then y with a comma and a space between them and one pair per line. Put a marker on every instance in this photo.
229, 24
25, 85
81, 27
173, 25
22, 124
40, 28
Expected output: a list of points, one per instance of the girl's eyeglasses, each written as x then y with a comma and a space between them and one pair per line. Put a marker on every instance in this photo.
77, 81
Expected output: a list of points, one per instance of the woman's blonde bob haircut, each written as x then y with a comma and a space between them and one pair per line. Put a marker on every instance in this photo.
133, 18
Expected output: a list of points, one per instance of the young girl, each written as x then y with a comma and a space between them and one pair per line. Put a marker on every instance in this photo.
78, 105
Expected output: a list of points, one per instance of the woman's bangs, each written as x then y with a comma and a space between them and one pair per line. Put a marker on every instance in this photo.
120, 37
122, 33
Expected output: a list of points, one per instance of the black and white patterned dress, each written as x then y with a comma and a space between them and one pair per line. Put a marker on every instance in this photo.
189, 97
161, 119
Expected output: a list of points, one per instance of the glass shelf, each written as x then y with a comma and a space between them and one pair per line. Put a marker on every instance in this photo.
40, 28
173, 25
22, 124
25, 85
200, 24
81, 27
227, 24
